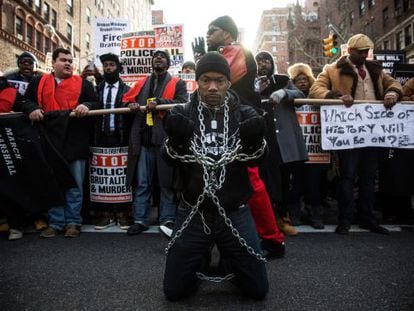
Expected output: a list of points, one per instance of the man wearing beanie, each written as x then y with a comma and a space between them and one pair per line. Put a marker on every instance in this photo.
214, 128
353, 77
111, 131
146, 137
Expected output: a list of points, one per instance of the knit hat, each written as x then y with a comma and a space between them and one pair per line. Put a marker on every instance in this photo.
360, 42
212, 62
166, 54
227, 24
25, 55
109, 57
300, 68
189, 64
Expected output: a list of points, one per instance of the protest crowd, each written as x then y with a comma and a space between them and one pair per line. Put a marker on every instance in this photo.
237, 162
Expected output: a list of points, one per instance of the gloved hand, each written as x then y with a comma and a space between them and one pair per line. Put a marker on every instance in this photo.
199, 48
179, 129
277, 96
251, 133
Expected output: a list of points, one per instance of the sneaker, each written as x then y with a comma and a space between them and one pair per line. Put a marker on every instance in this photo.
124, 221
272, 249
49, 232
167, 229
137, 229
72, 231
40, 224
15, 234
375, 228
104, 222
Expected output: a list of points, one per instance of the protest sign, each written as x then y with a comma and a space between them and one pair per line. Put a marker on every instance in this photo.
388, 59
20, 86
310, 123
108, 175
170, 38
107, 36
367, 125
190, 82
137, 50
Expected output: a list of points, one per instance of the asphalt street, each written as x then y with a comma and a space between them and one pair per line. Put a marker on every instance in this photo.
113, 271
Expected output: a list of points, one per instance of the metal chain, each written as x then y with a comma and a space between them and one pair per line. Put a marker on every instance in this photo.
211, 169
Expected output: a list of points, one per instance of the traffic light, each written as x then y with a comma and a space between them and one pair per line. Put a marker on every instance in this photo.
330, 46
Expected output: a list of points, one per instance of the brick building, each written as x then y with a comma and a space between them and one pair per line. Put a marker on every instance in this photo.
39, 26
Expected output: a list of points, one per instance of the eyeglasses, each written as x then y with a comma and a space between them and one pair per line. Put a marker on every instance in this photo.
212, 30
303, 79
28, 61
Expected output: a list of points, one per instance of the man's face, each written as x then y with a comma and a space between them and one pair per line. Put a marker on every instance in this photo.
264, 67
212, 87
188, 69
358, 57
109, 66
215, 38
26, 66
63, 66
160, 63
302, 83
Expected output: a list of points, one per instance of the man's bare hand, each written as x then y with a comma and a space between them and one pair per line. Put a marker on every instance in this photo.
81, 111
36, 115
133, 106
151, 105
347, 99
390, 99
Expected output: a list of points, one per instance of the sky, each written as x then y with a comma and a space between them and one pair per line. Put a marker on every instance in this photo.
196, 15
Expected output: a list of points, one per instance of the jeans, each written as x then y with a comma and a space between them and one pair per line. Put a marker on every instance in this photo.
362, 163
146, 168
188, 254
70, 214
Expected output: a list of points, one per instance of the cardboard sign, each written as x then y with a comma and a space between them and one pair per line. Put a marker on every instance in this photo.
367, 125
108, 175
171, 38
310, 123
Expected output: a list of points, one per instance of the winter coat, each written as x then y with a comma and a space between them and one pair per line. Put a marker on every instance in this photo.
408, 90
340, 78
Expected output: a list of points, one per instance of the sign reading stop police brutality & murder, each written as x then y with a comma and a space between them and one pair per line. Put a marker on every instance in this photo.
367, 125
108, 175
310, 123
137, 50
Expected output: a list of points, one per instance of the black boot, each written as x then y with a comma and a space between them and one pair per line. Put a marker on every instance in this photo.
316, 216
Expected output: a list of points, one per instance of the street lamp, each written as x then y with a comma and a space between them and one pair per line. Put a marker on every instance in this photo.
50, 29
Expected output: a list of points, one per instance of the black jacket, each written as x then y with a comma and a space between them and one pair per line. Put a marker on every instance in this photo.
236, 189
77, 133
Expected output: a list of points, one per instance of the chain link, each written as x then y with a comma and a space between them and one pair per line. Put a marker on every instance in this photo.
214, 172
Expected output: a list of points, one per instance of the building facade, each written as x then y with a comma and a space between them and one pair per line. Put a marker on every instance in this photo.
40, 26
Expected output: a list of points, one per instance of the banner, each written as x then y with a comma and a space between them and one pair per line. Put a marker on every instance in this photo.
170, 37
310, 123
20, 86
367, 125
27, 178
108, 175
107, 36
137, 50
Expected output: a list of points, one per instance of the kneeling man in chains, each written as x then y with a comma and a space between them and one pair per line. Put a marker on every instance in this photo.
212, 140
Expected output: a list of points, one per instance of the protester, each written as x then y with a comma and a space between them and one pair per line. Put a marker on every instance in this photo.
353, 77
188, 67
284, 137
221, 36
308, 178
408, 90
27, 64
147, 135
63, 91
213, 200
111, 131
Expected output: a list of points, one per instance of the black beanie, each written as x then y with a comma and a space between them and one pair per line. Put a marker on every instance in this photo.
27, 54
212, 62
167, 56
227, 24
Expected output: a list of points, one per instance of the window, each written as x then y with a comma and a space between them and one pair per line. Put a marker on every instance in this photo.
386, 45
361, 7
274, 50
408, 35
38, 6
19, 27
54, 19
29, 2
47, 45
88, 15
385, 17
38, 40
397, 7
88, 41
399, 41
46, 11
69, 31
29, 34
371, 3
69, 6
406, 5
